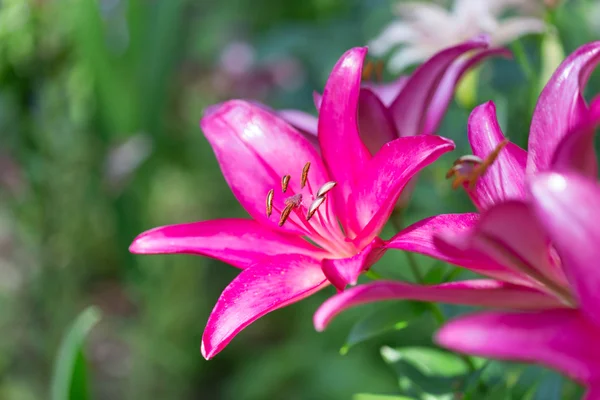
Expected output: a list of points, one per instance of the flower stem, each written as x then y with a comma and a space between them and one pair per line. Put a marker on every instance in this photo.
397, 221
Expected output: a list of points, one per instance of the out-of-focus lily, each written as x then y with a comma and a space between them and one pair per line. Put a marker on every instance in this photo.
426, 28
411, 105
339, 200
525, 200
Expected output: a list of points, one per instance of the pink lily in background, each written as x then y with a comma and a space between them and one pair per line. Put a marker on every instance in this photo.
339, 199
411, 105
516, 241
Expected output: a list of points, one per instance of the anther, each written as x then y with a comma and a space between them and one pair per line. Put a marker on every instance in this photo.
286, 213
304, 174
285, 181
470, 168
270, 202
323, 190
314, 206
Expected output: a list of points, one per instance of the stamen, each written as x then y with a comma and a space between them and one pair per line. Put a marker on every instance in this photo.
314, 206
371, 68
286, 213
294, 200
285, 181
323, 190
304, 175
469, 168
270, 202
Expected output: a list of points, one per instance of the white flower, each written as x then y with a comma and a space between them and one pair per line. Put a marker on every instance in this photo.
426, 28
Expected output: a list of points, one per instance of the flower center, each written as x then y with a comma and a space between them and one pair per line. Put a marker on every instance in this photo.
466, 170
305, 209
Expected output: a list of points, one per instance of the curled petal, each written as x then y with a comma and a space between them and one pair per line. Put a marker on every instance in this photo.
559, 338
561, 106
447, 86
256, 291
239, 242
504, 179
345, 271
422, 237
485, 293
573, 151
409, 110
344, 153
380, 185
568, 207
375, 123
255, 148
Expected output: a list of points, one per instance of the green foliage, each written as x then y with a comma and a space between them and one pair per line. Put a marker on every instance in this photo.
69, 381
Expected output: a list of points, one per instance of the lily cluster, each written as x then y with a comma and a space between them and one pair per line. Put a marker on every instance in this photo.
319, 190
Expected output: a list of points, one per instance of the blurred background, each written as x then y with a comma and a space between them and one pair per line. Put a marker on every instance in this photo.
99, 141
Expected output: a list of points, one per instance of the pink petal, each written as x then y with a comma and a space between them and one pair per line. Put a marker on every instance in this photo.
387, 92
380, 185
239, 242
505, 178
421, 238
344, 153
561, 106
445, 89
375, 123
255, 148
345, 271
510, 234
317, 99
409, 110
561, 339
568, 206
304, 122
256, 291
484, 293
573, 152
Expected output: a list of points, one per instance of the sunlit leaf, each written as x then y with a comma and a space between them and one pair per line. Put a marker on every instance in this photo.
69, 381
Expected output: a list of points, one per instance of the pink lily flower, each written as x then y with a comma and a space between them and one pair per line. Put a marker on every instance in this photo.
535, 228
339, 199
410, 105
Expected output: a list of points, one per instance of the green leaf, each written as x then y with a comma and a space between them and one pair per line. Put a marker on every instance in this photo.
368, 396
395, 317
427, 370
69, 381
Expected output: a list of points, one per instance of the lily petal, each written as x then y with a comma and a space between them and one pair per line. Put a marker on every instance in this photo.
375, 123
255, 148
568, 206
380, 185
573, 151
304, 122
481, 292
387, 92
562, 339
345, 271
561, 106
422, 237
447, 86
505, 177
344, 153
593, 392
239, 242
409, 108
510, 234
256, 291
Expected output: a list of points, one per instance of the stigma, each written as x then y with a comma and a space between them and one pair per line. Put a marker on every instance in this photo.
467, 169
295, 202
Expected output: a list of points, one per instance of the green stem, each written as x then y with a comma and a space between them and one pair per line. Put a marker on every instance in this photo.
397, 221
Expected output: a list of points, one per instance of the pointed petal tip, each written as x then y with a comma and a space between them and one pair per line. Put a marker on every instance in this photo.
207, 355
